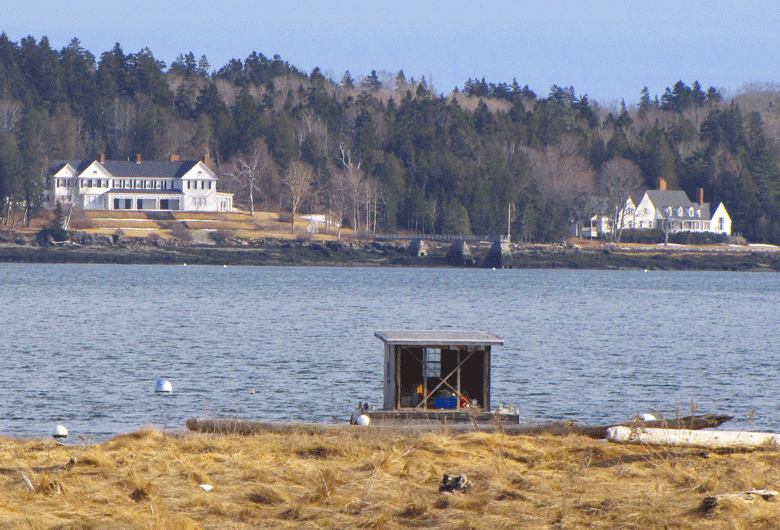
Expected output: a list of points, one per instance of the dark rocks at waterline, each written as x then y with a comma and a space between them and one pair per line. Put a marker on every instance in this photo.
99, 249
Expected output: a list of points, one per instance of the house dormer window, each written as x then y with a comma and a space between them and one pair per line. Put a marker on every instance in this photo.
679, 211
698, 213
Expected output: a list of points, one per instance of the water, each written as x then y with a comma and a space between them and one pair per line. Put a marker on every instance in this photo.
83, 345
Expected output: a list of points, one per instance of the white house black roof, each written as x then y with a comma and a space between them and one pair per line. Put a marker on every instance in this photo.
130, 169
423, 337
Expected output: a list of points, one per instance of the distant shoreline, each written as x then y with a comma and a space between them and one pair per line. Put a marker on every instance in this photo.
376, 254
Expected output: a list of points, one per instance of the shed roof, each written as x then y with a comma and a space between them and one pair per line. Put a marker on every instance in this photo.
434, 337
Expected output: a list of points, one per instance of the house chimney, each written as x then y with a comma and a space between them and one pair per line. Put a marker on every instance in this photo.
138, 158
207, 160
174, 158
102, 158
662, 184
700, 196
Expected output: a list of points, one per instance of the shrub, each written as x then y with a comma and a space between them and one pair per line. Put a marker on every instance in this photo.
642, 236
79, 220
222, 236
697, 238
181, 232
285, 217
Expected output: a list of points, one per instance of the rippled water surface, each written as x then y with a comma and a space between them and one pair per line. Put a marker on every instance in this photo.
83, 345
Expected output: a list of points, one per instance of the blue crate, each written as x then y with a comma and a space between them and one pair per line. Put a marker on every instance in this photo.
446, 403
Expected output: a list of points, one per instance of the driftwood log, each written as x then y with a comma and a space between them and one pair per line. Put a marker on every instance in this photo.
694, 423
697, 439
556, 428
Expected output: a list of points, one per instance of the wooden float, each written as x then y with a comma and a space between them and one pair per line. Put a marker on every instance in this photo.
554, 428
693, 438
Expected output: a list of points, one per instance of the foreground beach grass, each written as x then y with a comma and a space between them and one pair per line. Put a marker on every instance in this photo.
367, 478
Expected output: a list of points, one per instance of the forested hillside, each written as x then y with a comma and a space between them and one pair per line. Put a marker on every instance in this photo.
384, 152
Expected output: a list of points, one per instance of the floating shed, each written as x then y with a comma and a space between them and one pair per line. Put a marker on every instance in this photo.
437, 374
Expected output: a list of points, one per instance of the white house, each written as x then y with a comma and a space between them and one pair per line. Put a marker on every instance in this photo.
135, 185
674, 207
660, 206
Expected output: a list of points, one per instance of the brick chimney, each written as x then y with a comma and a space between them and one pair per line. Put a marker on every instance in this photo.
662, 184
102, 158
138, 158
700, 196
174, 158
207, 160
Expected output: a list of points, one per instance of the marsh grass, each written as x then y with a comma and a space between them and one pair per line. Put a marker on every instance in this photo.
383, 479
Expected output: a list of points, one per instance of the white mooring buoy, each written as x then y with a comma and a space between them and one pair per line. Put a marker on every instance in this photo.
363, 420
163, 385
60, 432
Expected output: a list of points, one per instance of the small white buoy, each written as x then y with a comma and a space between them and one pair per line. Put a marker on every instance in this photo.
363, 420
207, 487
225, 266
60, 432
646, 417
163, 385
185, 264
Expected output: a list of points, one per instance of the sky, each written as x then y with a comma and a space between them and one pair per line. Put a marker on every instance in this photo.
607, 49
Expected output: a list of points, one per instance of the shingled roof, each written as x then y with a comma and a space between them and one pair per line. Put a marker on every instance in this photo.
130, 169
677, 198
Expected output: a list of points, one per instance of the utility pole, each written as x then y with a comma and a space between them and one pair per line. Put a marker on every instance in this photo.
509, 224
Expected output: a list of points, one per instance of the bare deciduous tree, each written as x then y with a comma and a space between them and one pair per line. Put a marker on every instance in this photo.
121, 118
298, 178
11, 112
245, 174
565, 182
620, 179
353, 178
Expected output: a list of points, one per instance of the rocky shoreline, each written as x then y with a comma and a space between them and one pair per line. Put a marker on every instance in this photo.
87, 248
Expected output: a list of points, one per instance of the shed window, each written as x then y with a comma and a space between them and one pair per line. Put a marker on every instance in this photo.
432, 364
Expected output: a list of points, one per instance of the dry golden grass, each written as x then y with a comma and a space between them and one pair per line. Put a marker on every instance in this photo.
141, 224
350, 479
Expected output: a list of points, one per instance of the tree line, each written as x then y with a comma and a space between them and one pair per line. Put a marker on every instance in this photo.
383, 152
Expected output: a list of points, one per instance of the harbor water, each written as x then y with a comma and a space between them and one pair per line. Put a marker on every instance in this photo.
84, 345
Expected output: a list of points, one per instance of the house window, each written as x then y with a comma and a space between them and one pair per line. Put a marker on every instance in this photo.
188, 184
720, 223
209, 184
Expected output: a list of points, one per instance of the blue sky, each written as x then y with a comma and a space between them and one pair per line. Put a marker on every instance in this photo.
607, 49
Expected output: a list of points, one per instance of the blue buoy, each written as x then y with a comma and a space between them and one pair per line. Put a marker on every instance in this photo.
163, 385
